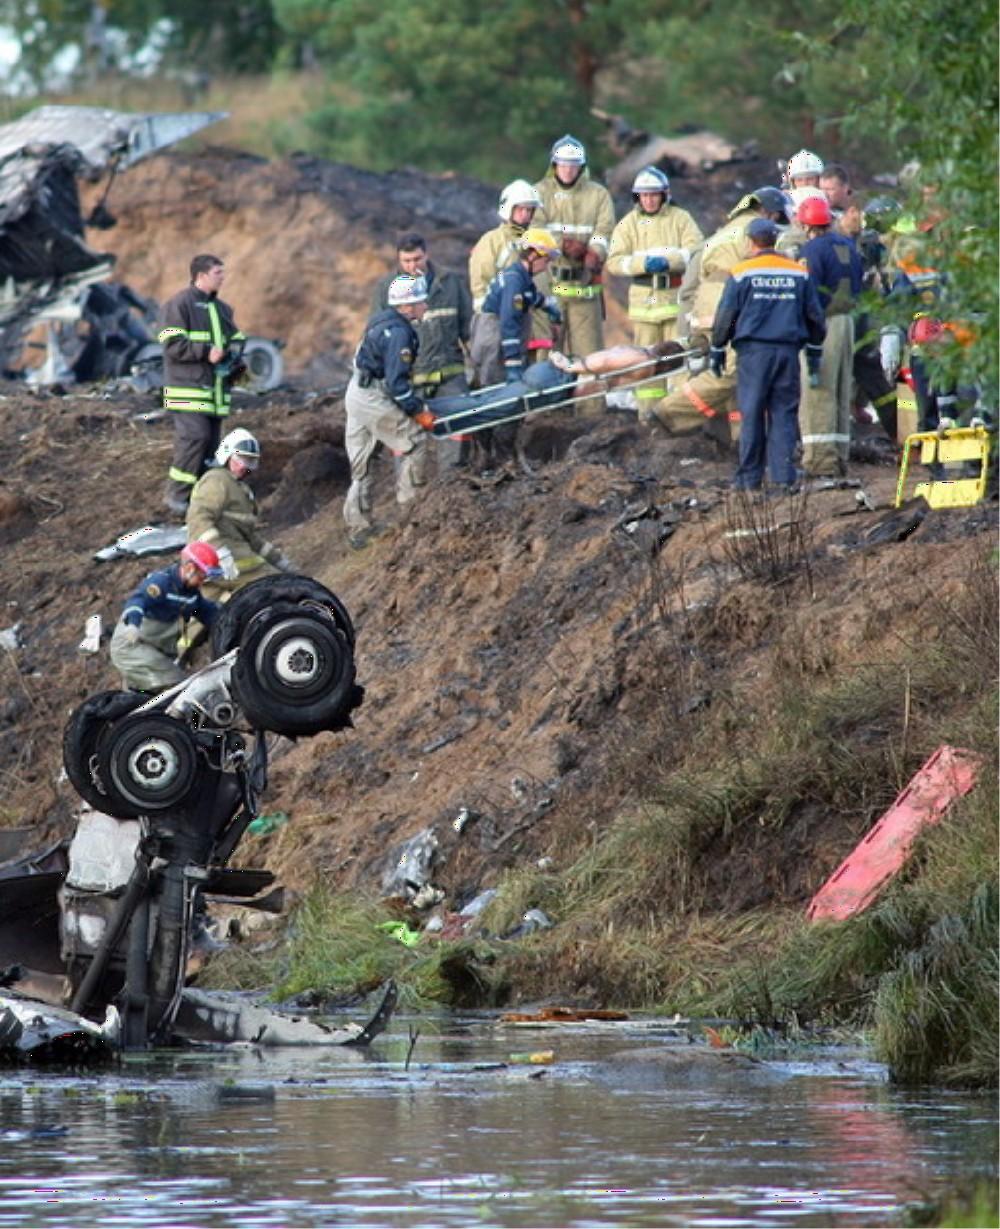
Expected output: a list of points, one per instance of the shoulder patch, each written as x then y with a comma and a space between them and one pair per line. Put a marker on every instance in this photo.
153, 589
518, 302
406, 355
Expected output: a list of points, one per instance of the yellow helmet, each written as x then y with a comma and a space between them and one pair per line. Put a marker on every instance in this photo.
539, 239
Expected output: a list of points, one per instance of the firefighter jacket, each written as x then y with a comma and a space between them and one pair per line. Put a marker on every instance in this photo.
835, 268
670, 233
388, 352
223, 512
584, 212
164, 599
194, 322
771, 299
511, 296
719, 253
444, 328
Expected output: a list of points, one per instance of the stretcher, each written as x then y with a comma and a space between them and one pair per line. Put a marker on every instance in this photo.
543, 387
966, 445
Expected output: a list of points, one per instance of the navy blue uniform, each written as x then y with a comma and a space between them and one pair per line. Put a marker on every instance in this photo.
836, 270
387, 352
511, 296
768, 310
162, 597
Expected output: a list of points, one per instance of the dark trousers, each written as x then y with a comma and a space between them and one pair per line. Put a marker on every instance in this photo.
874, 387
767, 392
196, 437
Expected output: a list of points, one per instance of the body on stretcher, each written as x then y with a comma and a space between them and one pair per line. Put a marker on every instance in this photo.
543, 385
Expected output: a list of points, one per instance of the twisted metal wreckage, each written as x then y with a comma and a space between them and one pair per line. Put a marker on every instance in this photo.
50, 277
96, 933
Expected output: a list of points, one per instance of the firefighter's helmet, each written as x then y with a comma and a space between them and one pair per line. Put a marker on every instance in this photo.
517, 192
815, 211
538, 239
651, 179
882, 213
239, 443
568, 149
805, 162
405, 290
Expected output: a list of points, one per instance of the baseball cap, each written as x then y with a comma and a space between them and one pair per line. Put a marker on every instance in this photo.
763, 230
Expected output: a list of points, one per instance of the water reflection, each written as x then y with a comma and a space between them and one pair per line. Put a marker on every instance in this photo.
338, 1136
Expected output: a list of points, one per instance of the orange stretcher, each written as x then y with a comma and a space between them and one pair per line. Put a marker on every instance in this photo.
948, 774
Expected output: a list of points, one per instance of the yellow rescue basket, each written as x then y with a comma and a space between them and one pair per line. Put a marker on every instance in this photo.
955, 444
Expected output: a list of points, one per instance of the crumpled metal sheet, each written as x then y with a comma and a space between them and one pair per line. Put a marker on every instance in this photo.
101, 136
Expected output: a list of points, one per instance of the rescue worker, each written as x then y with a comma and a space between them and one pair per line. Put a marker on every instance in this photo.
518, 209
500, 340
223, 512
652, 245
443, 332
144, 645
804, 169
581, 215
202, 349
769, 308
825, 414
835, 184
706, 399
793, 237
383, 407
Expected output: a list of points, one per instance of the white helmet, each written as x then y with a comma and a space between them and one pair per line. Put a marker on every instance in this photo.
568, 149
517, 192
239, 443
804, 163
799, 195
405, 289
651, 179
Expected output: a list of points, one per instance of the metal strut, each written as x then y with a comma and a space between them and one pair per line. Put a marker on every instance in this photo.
448, 419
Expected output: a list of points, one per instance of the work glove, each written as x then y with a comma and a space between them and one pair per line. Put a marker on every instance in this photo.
814, 360
228, 564
593, 261
424, 418
717, 361
656, 264
889, 351
573, 248
131, 634
815, 377
552, 309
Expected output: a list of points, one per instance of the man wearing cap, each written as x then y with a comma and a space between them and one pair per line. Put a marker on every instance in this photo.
144, 645
768, 310
704, 399
383, 407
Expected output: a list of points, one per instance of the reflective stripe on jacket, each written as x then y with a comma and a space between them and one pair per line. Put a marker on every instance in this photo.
193, 322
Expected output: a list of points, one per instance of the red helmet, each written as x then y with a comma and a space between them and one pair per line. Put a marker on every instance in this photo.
815, 211
204, 557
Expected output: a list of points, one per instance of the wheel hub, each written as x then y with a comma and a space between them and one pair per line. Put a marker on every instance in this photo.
297, 662
154, 764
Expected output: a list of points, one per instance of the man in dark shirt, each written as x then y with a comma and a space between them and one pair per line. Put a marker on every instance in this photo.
768, 310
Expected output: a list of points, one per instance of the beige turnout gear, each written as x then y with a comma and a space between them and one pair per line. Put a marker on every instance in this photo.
147, 663
494, 251
704, 399
223, 512
670, 234
825, 412
583, 212
372, 418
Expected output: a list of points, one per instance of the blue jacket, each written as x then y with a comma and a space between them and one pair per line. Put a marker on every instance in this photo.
163, 598
836, 270
769, 298
387, 352
511, 295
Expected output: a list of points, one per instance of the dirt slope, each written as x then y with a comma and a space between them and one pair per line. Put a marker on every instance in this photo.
508, 634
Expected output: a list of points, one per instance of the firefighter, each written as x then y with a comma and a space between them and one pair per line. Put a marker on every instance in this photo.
500, 339
652, 245
804, 169
148, 637
383, 407
581, 215
223, 512
769, 308
443, 332
202, 349
707, 399
825, 414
